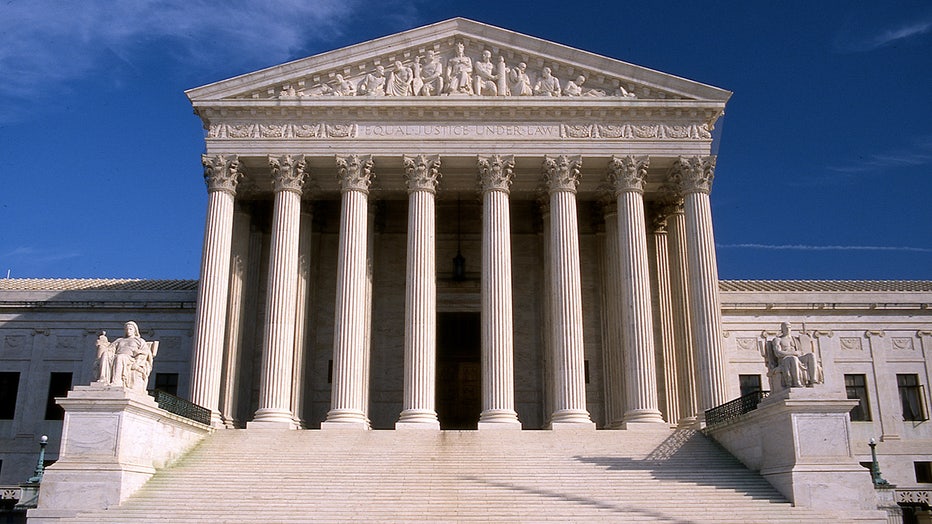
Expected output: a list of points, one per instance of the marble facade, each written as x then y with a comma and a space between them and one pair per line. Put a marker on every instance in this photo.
464, 227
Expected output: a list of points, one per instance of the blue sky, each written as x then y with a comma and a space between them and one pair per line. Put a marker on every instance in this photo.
824, 168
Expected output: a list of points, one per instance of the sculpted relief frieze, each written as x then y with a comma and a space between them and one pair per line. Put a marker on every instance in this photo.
323, 130
457, 68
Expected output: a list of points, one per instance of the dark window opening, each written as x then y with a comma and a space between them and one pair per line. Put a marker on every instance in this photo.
59, 385
923, 472
9, 387
911, 397
856, 389
586, 370
167, 382
749, 384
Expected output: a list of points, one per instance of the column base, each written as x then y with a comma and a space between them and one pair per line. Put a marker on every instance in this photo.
346, 419
418, 419
645, 426
271, 419
492, 418
562, 426
571, 417
688, 423
643, 416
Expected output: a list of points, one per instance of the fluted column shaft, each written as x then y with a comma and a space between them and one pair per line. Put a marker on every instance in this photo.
666, 353
303, 293
694, 175
627, 176
420, 350
569, 399
275, 380
612, 349
229, 382
682, 334
221, 173
498, 385
347, 401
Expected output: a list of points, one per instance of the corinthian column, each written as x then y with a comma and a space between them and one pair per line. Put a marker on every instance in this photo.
612, 334
626, 175
694, 177
679, 291
663, 319
421, 176
498, 383
275, 380
569, 396
347, 401
221, 173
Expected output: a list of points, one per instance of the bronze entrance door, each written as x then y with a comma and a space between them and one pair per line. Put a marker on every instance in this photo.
459, 374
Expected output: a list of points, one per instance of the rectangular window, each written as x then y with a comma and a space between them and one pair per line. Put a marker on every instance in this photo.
59, 385
748, 384
9, 387
167, 382
856, 388
911, 397
923, 472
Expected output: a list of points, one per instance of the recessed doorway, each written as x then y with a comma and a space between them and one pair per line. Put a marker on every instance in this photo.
459, 372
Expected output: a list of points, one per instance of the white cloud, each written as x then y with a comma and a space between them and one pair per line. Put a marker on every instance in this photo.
863, 37
46, 43
804, 247
918, 153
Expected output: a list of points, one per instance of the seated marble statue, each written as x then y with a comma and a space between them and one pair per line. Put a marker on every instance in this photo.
130, 359
791, 362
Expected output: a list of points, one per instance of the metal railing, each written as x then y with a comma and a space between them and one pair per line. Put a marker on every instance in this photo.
180, 406
733, 409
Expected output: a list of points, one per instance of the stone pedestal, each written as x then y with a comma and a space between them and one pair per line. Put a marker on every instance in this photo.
113, 441
800, 441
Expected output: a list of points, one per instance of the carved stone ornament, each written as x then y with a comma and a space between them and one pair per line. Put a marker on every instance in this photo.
671, 198
355, 172
496, 172
222, 172
288, 172
422, 173
657, 219
562, 173
627, 173
694, 174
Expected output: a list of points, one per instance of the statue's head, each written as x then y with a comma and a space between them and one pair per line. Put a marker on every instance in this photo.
486, 55
580, 80
785, 328
131, 329
546, 72
380, 70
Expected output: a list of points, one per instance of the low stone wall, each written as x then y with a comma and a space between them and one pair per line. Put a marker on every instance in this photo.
800, 441
113, 441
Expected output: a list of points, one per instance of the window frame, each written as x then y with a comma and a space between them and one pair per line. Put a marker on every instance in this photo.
864, 404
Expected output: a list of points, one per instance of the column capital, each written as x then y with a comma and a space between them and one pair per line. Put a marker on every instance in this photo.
355, 172
671, 199
657, 215
289, 173
422, 172
561, 173
627, 173
496, 172
693, 174
222, 172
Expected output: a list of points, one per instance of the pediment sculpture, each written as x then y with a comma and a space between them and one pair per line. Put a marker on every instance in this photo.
127, 361
791, 360
459, 75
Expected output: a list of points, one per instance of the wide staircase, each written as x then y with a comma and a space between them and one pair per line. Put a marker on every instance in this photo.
457, 476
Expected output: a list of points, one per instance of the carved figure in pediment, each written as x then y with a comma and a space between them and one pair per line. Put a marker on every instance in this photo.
459, 72
399, 81
373, 84
486, 79
575, 88
547, 84
431, 75
288, 92
519, 82
103, 366
342, 87
791, 360
622, 92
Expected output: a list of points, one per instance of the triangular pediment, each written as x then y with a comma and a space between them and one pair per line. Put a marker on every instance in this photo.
461, 59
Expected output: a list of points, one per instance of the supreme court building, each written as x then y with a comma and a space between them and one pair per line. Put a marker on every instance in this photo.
462, 227
394, 238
